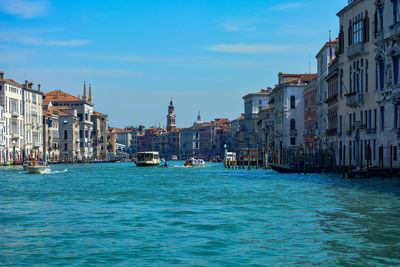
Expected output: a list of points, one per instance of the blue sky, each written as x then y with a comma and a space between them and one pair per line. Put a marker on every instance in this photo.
137, 54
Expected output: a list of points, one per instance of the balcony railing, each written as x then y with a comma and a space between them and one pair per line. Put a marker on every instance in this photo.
14, 114
293, 132
331, 132
349, 132
355, 50
371, 131
394, 30
355, 99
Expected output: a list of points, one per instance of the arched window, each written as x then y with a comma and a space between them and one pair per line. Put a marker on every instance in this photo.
293, 102
395, 58
292, 124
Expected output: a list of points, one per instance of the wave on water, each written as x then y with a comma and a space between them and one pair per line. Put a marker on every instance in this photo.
49, 171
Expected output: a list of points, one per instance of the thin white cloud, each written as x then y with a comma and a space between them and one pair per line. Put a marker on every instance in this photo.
138, 58
113, 73
24, 9
256, 48
23, 37
239, 24
288, 6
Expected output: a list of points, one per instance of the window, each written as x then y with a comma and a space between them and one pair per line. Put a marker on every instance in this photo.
65, 146
394, 153
292, 102
396, 70
80, 133
341, 83
375, 118
381, 18
358, 29
366, 76
381, 76
292, 141
65, 135
394, 11
382, 118
292, 124
86, 116
86, 134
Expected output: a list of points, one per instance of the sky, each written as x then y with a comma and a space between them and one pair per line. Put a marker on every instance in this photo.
204, 54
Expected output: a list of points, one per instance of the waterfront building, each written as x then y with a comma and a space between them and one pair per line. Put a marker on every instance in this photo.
171, 117
287, 112
69, 127
311, 124
236, 138
385, 36
33, 121
332, 80
173, 142
112, 143
128, 138
253, 103
324, 58
100, 132
2, 135
84, 108
189, 140
11, 97
51, 136
364, 81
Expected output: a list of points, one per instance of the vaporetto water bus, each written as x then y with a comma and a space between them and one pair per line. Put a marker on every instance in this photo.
148, 158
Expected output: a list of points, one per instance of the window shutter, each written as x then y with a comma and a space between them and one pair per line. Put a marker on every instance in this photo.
364, 21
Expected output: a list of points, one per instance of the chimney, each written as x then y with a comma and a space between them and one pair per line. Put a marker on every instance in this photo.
1, 75
90, 93
38, 87
30, 85
84, 91
26, 84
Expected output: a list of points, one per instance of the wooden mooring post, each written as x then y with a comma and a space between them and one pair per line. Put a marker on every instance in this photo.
343, 160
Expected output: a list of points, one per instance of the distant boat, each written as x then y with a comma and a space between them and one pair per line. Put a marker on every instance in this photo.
194, 162
292, 169
174, 157
37, 167
149, 158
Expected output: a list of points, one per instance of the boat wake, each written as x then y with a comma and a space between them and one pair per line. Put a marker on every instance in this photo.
49, 171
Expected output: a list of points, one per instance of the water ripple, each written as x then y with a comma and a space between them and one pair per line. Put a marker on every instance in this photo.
116, 214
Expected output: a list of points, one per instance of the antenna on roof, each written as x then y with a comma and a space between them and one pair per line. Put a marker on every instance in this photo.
309, 63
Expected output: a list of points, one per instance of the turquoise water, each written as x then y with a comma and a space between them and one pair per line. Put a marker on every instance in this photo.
117, 214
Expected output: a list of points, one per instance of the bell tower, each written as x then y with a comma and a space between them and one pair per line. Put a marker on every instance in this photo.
171, 123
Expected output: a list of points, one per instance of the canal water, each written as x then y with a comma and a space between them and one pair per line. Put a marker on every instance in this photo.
117, 214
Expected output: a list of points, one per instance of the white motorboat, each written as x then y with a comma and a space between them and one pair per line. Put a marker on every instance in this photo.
150, 158
26, 164
37, 167
195, 162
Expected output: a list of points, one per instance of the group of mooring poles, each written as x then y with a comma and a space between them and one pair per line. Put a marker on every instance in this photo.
248, 158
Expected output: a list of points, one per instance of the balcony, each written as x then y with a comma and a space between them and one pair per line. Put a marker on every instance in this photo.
355, 50
37, 144
14, 114
371, 131
349, 132
355, 99
293, 132
396, 94
15, 136
394, 30
331, 132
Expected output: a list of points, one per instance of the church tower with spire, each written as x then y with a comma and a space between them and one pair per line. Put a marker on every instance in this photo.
171, 123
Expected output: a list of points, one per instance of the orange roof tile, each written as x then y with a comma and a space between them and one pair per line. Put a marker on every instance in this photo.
11, 81
98, 114
59, 96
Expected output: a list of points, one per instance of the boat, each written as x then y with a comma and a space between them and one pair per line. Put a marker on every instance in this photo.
292, 168
174, 157
194, 162
26, 164
229, 157
149, 158
37, 167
